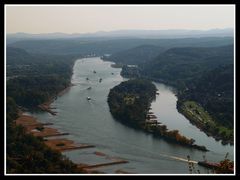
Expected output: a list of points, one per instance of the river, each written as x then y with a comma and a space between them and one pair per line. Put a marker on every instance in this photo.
91, 122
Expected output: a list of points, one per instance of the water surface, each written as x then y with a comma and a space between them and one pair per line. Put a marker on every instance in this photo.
91, 122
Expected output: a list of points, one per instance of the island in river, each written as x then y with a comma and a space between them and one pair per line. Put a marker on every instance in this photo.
130, 102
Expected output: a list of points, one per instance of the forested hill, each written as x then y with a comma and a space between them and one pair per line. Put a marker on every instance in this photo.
28, 154
203, 77
109, 46
183, 64
214, 91
33, 79
17, 56
137, 55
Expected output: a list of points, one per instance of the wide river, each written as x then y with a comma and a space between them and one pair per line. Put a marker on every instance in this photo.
91, 122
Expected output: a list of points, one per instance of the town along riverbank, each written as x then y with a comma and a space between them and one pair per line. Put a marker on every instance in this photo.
130, 102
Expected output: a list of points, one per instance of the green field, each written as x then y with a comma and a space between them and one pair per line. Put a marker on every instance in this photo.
199, 116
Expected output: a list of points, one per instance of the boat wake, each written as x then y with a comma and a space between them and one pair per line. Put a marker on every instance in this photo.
178, 158
182, 159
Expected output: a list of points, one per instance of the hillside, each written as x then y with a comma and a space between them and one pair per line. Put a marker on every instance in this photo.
33, 79
28, 154
184, 64
101, 46
203, 78
137, 55
214, 91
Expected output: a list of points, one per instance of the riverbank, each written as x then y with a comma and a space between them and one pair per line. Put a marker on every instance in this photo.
130, 102
42, 130
46, 105
38, 129
201, 119
212, 128
51, 138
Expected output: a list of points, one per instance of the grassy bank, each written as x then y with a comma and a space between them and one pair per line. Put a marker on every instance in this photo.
201, 118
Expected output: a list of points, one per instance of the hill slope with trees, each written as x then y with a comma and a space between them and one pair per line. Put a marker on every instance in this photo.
101, 46
200, 74
32, 80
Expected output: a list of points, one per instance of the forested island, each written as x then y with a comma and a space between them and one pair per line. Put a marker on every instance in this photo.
130, 102
202, 77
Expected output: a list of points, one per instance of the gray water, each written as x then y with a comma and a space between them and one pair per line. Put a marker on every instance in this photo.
91, 122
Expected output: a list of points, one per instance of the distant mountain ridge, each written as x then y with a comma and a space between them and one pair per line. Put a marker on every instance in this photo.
170, 33
101, 46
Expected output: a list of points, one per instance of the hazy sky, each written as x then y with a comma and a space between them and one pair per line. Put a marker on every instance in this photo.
83, 19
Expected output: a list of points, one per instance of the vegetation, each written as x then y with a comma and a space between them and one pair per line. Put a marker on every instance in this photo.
130, 71
214, 91
203, 75
129, 103
29, 154
181, 66
101, 46
200, 74
33, 79
136, 55
198, 116
225, 166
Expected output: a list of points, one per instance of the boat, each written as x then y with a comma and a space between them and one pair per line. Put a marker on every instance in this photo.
213, 165
87, 79
208, 164
100, 80
94, 71
88, 98
89, 88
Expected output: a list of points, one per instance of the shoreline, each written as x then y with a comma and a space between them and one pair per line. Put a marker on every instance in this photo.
46, 106
202, 126
33, 126
158, 129
119, 99
38, 129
